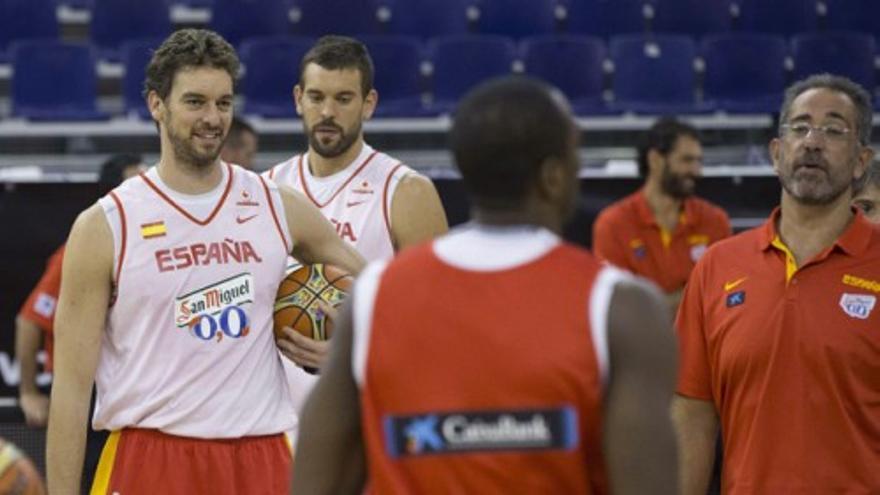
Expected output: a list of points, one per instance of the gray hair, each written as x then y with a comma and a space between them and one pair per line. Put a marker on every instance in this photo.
861, 100
871, 177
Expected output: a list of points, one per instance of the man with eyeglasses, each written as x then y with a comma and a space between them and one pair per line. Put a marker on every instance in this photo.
779, 327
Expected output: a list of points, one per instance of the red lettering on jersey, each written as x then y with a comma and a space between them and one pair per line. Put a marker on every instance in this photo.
344, 230
217, 253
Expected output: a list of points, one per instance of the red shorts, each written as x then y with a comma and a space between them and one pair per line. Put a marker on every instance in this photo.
137, 461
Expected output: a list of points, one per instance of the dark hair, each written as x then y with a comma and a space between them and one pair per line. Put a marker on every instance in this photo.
237, 129
502, 132
188, 48
337, 53
112, 170
860, 98
871, 177
662, 137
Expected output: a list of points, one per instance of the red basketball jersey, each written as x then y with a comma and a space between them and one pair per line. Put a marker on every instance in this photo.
484, 379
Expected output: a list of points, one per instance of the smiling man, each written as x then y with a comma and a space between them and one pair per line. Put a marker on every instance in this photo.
779, 325
662, 229
189, 383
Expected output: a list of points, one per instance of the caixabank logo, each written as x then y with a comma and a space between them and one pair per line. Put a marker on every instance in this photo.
480, 431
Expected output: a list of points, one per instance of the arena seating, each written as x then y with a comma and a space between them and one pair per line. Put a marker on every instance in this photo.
116, 21
574, 64
398, 76
745, 73
239, 19
517, 18
692, 17
429, 18
135, 54
846, 53
459, 62
272, 68
349, 17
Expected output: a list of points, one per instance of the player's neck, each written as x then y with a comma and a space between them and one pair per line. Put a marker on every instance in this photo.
509, 218
666, 209
321, 166
186, 178
807, 230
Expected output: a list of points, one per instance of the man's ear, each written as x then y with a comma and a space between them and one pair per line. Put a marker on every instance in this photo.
370, 103
156, 106
552, 178
297, 99
775, 149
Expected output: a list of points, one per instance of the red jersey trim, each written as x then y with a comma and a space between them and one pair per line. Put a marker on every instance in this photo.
124, 235
305, 185
385, 213
287, 248
272, 173
186, 213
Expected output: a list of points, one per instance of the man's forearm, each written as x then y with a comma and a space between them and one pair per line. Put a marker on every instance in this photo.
696, 425
66, 440
28, 337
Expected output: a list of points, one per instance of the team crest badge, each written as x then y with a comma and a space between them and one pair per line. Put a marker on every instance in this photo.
857, 305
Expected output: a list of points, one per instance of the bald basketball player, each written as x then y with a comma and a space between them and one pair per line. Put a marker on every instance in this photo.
534, 368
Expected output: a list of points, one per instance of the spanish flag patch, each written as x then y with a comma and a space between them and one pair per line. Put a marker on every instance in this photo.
153, 229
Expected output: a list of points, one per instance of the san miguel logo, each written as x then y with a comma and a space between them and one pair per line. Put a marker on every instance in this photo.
217, 309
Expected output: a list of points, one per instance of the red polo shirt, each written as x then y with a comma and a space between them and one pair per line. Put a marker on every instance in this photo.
790, 356
42, 302
627, 235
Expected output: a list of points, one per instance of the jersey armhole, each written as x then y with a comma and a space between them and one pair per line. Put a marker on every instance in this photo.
279, 216
396, 175
365, 289
600, 303
119, 230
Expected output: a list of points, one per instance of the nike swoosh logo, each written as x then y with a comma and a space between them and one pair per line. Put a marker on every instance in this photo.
354, 203
730, 285
245, 219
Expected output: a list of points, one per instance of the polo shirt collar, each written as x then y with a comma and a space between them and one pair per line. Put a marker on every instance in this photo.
854, 240
646, 216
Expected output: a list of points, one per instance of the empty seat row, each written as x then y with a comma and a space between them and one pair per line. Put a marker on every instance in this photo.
114, 21
732, 72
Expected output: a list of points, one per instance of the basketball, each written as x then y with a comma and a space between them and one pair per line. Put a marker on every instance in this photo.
18, 475
296, 304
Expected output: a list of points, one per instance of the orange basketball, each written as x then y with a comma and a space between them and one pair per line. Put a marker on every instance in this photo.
17, 473
296, 304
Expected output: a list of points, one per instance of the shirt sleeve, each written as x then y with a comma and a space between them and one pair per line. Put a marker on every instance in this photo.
605, 245
42, 302
694, 374
722, 226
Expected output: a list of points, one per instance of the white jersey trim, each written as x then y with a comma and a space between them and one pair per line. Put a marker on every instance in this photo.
600, 303
488, 248
365, 288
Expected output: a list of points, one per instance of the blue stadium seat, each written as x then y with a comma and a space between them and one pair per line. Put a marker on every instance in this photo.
26, 19
240, 19
574, 64
135, 55
745, 73
654, 75
115, 21
460, 62
783, 17
271, 71
517, 18
429, 18
693, 17
606, 18
347, 17
54, 80
853, 15
842, 53
397, 77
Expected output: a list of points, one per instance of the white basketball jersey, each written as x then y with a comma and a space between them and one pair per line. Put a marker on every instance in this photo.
189, 348
356, 200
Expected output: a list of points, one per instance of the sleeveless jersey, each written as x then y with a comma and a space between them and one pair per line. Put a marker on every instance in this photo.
189, 348
356, 200
481, 360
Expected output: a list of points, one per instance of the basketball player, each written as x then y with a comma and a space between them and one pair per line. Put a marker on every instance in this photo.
534, 369
241, 144
377, 204
866, 193
662, 229
779, 325
167, 292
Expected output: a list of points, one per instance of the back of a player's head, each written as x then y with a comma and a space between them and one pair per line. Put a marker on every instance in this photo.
340, 53
188, 48
661, 137
503, 131
114, 170
859, 97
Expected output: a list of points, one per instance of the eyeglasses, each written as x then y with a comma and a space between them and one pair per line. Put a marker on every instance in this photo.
801, 130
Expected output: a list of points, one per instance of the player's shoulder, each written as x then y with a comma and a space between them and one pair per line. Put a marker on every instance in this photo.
738, 247
622, 210
708, 210
280, 168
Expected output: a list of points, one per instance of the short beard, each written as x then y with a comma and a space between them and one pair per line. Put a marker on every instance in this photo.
346, 140
674, 186
186, 153
814, 196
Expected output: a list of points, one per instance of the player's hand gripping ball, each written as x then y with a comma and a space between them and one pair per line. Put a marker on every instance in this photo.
296, 304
